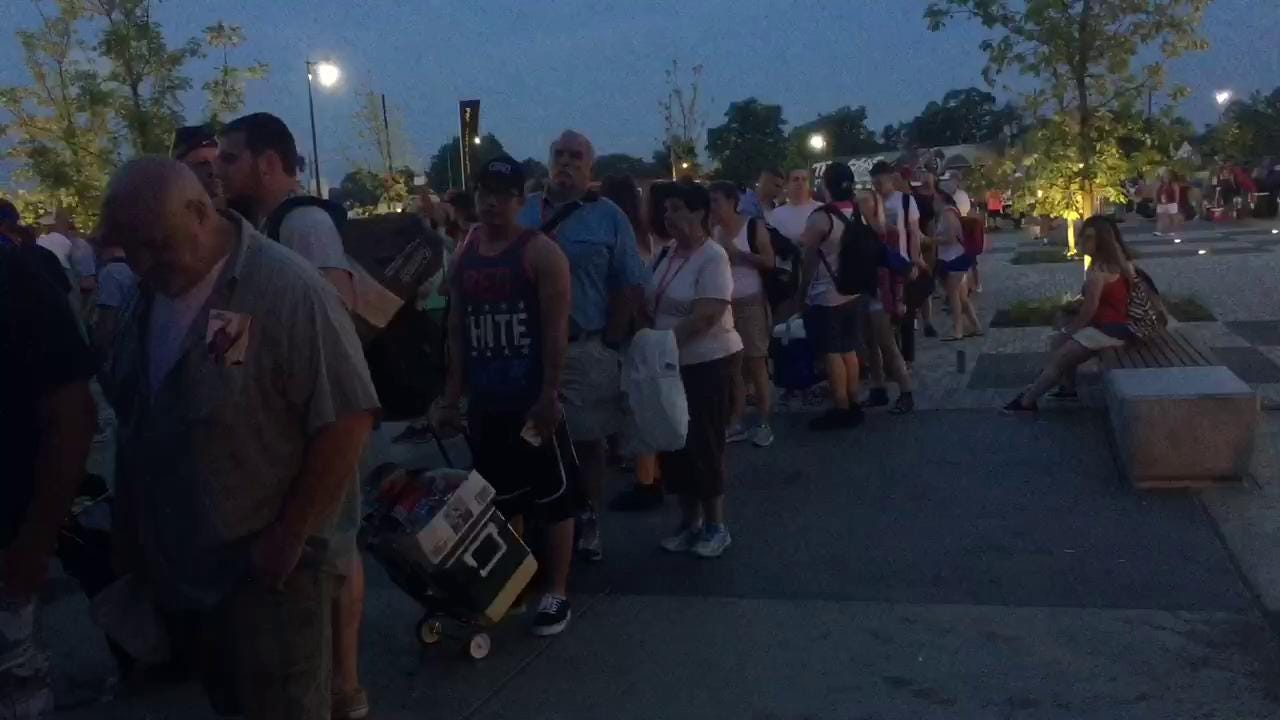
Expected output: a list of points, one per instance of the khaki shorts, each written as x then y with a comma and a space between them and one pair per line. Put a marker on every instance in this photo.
751, 320
591, 390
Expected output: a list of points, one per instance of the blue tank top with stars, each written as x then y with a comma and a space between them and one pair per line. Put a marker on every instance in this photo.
502, 327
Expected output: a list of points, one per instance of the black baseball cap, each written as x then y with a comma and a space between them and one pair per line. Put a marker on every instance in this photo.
189, 138
882, 167
502, 173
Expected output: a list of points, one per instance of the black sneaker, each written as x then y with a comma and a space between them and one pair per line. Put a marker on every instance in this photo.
553, 616
637, 498
930, 332
878, 397
1015, 407
837, 419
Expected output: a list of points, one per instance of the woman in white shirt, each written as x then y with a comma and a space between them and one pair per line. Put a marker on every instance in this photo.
748, 258
954, 265
689, 293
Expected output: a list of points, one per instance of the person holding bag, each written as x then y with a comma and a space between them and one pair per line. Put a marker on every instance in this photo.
689, 294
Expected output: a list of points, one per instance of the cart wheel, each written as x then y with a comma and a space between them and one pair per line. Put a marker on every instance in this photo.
479, 646
429, 631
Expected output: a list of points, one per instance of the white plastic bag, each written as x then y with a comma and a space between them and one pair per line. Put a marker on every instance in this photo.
659, 417
788, 330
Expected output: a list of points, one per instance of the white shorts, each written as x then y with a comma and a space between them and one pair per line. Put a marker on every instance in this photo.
1168, 209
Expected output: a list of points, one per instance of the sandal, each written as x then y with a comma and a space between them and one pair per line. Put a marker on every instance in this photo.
952, 338
1064, 394
976, 333
905, 404
1015, 407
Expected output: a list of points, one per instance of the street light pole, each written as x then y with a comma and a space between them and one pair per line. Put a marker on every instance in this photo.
315, 146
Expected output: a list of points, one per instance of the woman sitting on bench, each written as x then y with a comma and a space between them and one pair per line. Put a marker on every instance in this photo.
1101, 322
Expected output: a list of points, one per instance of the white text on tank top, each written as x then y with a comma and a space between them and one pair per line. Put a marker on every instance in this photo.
746, 278
822, 289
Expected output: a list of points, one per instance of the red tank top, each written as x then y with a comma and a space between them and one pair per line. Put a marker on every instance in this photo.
1113, 305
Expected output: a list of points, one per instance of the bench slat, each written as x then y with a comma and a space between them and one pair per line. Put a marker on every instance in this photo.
1173, 358
1160, 353
1196, 354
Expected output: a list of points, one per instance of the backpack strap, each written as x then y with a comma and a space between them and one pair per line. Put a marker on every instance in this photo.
835, 212
271, 226
662, 255
751, 235
566, 211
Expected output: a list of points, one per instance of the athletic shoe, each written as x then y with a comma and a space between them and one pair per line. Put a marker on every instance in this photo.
837, 419
637, 498
589, 545
1064, 395
762, 436
713, 542
414, 434
683, 541
737, 433
878, 397
553, 616
349, 706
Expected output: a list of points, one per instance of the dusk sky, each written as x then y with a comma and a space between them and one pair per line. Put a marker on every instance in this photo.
597, 65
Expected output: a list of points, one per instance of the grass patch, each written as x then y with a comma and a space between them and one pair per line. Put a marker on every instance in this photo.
1185, 308
1042, 312
1041, 256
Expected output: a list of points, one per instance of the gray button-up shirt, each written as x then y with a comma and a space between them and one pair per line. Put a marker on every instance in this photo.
205, 463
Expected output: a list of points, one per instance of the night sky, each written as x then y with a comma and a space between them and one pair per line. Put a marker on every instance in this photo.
597, 65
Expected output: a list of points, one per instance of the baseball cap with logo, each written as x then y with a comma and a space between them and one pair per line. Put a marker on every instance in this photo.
190, 138
502, 174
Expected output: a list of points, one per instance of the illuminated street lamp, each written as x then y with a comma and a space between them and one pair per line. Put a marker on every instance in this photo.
684, 165
327, 74
1222, 97
817, 142
475, 140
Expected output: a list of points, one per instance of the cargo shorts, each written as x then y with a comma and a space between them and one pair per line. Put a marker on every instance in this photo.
591, 390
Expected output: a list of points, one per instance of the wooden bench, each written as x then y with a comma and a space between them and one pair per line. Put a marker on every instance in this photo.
1179, 418
1164, 350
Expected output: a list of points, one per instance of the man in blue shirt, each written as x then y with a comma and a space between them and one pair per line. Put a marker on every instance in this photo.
759, 202
606, 281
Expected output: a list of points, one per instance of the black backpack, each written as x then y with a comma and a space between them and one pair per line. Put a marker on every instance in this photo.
862, 254
783, 281
271, 227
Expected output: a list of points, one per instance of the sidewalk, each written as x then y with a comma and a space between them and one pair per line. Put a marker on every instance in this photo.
945, 564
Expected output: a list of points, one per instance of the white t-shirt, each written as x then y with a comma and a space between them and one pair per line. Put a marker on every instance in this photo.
892, 208
822, 288
170, 321
963, 204
676, 282
59, 245
790, 219
310, 232
746, 277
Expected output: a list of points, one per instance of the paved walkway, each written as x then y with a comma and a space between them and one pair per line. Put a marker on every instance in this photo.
948, 564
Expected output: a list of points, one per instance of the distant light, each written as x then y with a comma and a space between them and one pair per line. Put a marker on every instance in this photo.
684, 166
327, 74
1177, 240
1222, 96
817, 142
475, 140
1202, 252
1275, 231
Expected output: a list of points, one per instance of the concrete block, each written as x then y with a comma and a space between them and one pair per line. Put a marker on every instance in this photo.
1182, 426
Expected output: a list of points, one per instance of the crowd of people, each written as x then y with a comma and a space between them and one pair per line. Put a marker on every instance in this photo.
214, 318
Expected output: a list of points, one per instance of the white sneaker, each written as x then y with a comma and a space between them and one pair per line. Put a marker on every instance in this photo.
762, 436
683, 541
713, 544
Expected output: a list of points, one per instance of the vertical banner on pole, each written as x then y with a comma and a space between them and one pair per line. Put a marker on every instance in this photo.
468, 134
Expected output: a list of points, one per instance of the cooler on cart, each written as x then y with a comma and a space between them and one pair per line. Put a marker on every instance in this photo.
441, 540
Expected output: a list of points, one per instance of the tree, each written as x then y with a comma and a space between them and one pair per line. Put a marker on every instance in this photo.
359, 188
445, 171
964, 116
683, 119
750, 140
224, 92
894, 136
60, 125
381, 145
534, 169
1091, 60
623, 164
844, 130
143, 72
1250, 128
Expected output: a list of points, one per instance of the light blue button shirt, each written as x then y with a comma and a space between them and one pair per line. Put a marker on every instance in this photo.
601, 247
